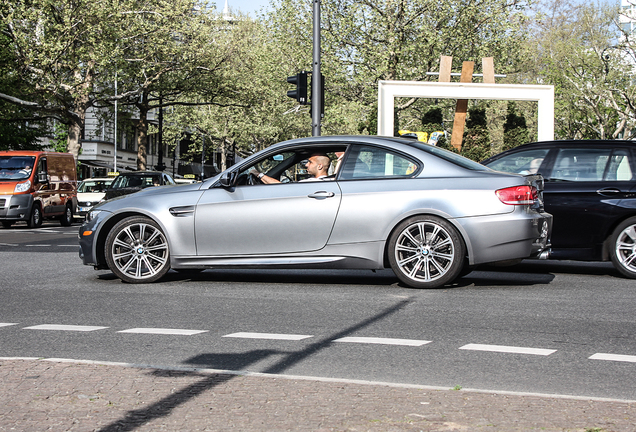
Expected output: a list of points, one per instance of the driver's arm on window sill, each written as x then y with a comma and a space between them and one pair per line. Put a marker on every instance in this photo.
263, 177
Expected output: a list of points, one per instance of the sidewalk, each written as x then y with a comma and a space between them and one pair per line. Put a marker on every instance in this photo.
39, 395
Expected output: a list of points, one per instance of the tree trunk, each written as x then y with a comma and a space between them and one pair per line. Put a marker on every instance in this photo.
142, 134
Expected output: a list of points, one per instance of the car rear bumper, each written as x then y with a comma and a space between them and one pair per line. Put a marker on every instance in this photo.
517, 235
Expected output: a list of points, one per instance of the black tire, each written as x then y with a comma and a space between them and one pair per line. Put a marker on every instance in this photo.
67, 218
623, 248
426, 252
35, 219
7, 224
137, 250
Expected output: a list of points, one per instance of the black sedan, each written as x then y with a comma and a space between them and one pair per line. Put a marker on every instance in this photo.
132, 182
590, 189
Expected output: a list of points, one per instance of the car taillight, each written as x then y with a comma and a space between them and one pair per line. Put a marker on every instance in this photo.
518, 195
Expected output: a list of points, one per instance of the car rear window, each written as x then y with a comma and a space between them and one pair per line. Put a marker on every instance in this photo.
451, 157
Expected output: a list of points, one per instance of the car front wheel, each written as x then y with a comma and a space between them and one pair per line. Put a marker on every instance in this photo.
426, 252
623, 248
35, 219
67, 218
137, 250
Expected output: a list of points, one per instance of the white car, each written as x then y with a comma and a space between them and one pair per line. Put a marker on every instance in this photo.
90, 192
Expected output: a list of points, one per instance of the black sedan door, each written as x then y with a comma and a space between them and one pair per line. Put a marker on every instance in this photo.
583, 191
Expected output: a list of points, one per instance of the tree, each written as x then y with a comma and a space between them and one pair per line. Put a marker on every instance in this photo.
59, 48
476, 142
574, 47
371, 40
182, 55
515, 128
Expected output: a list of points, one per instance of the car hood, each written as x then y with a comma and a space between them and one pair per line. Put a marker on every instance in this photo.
90, 196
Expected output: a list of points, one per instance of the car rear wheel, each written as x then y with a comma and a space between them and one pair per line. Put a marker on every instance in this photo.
137, 250
623, 248
426, 252
67, 218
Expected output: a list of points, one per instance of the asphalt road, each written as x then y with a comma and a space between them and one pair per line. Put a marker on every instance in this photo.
541, 327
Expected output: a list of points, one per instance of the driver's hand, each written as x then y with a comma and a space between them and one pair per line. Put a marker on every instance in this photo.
254, 172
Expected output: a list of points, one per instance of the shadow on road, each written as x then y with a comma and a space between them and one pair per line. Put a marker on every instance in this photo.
163, 407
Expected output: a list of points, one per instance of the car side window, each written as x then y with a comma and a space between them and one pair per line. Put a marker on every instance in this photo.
522, 162
373, 163
619, 168
580, 164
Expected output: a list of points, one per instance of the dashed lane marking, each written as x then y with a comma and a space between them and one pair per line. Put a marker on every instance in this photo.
383, 341
508, 349
63, 327
7, 324
614, 357
163, 331
271, 336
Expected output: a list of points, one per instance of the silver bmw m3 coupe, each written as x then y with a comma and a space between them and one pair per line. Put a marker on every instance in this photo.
354, 202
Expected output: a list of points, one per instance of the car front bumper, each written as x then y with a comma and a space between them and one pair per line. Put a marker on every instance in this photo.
15, 207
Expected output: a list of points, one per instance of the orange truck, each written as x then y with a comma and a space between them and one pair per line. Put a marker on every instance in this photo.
37, 185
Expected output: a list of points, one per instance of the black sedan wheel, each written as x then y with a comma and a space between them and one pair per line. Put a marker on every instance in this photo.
137, 250
623, 248
426, 252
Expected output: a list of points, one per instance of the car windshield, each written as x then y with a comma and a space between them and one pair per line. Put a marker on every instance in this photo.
451, 157
16, 167
140, 181
88, 186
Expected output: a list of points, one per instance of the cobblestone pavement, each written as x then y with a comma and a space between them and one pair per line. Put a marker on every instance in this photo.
50, 395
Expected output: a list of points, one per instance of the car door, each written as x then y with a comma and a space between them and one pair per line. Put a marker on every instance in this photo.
266, 219
582, 195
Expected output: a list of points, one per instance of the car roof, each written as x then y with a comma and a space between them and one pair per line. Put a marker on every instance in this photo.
562, 144
576, 142
142, 173
98, 179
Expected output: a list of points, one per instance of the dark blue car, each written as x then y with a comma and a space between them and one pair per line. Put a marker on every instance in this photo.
590, 189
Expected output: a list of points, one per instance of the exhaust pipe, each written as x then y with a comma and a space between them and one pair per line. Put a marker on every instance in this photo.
545, 254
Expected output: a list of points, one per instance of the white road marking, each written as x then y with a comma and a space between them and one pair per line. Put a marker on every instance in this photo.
312, 378
274, 336
614, 357
383, 341
63, 327
38, 245
163, 331
8, 244
508, 349
7, 324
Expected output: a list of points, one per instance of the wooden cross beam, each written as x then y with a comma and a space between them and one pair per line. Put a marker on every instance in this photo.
461, 107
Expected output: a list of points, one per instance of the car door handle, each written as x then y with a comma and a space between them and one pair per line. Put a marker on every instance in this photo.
608, 191
321, 195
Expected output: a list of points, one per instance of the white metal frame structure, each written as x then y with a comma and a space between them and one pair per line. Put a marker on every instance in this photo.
543, 94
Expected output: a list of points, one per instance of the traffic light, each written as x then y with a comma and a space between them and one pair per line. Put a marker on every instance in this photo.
300, 81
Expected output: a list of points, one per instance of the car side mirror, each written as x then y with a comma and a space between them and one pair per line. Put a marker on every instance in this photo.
43, 177
227, 179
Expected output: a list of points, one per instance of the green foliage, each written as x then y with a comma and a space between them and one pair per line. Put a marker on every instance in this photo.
515, 128
574, 48
476, 142
60, 138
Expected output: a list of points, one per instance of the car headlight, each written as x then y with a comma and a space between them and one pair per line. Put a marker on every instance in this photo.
91, 215
22, 187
